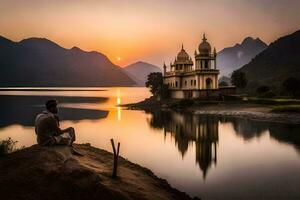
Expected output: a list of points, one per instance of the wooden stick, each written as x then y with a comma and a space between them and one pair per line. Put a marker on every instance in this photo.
116, 154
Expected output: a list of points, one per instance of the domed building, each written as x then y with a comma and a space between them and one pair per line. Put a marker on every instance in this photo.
186, 80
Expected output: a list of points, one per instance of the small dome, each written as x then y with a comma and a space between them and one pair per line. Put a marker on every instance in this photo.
182, 55
204, 46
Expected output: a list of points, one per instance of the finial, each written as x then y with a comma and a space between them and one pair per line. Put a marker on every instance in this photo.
165, 64
195, 52
204, 38
182, 46
215, 51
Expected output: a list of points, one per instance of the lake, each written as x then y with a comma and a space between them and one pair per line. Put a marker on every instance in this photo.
206, 156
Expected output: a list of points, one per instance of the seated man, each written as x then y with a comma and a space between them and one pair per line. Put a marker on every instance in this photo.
47, 127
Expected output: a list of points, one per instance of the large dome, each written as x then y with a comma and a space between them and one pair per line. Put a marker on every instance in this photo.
204, 46
182, 55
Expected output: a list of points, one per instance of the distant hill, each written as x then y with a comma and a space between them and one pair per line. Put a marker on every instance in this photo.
139, 71
278, 62
41, 62
232, 58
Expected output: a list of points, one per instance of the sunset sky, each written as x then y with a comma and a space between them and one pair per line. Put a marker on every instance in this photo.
153, 31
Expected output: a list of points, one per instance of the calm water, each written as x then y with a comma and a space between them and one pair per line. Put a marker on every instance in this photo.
210, 157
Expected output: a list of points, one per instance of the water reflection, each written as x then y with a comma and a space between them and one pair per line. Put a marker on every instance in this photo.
187, 129
23, 109
249, 129
202, 130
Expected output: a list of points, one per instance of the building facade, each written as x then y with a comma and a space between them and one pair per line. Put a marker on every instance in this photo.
187, 80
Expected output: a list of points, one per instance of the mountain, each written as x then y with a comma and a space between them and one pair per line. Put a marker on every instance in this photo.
41, 62
232, 58
276, 63
139, 71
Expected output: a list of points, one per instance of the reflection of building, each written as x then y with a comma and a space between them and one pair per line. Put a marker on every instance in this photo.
201, 130
187, 81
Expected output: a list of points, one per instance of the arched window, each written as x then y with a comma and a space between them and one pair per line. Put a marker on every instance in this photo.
206, 64
209, 83
176, 84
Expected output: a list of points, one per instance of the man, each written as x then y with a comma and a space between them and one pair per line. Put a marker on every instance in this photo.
48, 130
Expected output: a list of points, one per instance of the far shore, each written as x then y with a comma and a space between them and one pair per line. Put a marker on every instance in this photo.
253, 111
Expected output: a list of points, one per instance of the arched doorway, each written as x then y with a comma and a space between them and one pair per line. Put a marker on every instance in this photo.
209, 83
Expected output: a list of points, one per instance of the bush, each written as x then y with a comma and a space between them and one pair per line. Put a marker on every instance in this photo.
7, 146
223, 84
291, 86
262, 89
238, 79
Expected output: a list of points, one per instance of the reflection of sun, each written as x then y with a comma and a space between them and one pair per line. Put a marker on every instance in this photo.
118, 101
119, 58
118, 104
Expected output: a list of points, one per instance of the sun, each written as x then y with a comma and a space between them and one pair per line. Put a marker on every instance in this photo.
118, 58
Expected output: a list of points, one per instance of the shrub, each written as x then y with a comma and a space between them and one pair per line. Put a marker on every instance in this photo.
223, 84
7, 146
239, 79
262, 89
291, 86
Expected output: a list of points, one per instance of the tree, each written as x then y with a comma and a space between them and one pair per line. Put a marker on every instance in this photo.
223, 84
239, 79
291, 86
262, 89
156, 85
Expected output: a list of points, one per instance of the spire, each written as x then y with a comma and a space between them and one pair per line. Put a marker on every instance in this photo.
215, 51
182, 47
195, 52
204, 38
165, 64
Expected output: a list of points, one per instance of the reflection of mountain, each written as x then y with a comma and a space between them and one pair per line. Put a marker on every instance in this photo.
23, 109
248, 129
186, 128
203, 130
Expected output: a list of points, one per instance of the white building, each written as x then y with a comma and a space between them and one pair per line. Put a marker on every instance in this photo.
186, 80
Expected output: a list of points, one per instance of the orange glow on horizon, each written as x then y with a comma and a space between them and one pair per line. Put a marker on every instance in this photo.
131, 29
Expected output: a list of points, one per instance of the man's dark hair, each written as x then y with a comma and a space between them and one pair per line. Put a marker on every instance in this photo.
51, 103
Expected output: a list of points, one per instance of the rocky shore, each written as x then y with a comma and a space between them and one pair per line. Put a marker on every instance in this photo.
252, 111
44, 173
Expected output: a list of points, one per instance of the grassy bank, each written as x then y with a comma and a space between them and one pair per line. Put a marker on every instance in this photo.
286, 108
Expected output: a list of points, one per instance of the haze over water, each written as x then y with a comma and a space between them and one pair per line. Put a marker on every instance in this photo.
205, 156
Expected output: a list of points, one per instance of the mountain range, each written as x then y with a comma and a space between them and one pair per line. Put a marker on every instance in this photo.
232, 58
272, 66
139, 71
41, 62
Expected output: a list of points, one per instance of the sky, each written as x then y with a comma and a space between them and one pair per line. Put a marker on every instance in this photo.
153, 31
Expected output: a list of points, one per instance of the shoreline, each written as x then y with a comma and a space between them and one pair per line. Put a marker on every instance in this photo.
253, 111
32, 172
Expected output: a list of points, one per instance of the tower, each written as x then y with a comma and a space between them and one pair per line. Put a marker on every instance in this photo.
206, 65
205, 59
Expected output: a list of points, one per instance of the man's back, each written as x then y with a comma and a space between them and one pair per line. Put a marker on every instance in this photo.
46, 127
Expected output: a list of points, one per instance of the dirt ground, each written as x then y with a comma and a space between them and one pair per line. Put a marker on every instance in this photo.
38, 173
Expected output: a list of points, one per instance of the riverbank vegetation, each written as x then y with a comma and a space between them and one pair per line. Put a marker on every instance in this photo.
7, 146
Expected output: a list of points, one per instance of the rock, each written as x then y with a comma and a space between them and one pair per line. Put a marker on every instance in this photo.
42, 173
